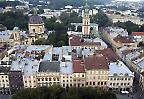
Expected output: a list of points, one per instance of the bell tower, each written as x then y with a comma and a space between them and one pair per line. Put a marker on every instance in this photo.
86, 20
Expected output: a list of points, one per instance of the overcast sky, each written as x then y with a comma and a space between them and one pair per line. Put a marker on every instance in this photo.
130, 0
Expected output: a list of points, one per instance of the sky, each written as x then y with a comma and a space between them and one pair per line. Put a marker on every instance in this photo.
130, 0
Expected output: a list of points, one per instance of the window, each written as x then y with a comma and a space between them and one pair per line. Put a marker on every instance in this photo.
128, 78
125, 78
117, 84
63, 85
33, 30
46, 79
110, 83
101, 83
86, 83
105, 83
113, 84
93, 83
78, 85
82, 85
82, 75
98, 83
55, 57
42, 79
49, 79
75, 85
121, 83
90, 83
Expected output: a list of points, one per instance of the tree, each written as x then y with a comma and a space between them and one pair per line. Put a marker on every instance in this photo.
68, 18
101, 19
129, 26
57, 92
12, 19
41, 41
79, 29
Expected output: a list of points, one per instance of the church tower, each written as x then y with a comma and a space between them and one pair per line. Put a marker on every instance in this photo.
86, 21
36, 27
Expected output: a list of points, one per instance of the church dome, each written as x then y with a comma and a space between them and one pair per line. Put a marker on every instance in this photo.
35, 19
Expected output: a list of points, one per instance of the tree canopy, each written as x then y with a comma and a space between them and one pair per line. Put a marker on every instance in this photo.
101, 19
4, 4
129, 26
14, 19
56, 92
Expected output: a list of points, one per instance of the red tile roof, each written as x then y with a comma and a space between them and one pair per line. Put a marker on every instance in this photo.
110, 54
78, 66
138, 33
77, 41
96, 62
123, 40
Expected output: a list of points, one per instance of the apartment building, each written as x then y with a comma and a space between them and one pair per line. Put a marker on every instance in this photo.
4, 80
120, 77
79, 75
66, 71
96, 71
48, 74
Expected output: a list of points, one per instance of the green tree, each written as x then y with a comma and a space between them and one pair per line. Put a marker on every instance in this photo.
12, 19
41, 41
129, 26
79, 29
57, 92
101, 19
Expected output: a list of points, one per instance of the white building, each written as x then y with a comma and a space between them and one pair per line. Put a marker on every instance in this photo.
120, 77
66, 77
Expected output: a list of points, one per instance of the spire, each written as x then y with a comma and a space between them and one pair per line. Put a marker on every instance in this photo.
86, 3
86, 6
35, 11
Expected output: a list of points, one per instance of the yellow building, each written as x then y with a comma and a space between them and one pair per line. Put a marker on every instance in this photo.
96, 71
79, 75
48, 74
36, 27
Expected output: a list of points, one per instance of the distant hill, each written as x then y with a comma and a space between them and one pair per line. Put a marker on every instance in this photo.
56, 4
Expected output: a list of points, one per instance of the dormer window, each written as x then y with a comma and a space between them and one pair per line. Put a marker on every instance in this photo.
115, 74
55, 57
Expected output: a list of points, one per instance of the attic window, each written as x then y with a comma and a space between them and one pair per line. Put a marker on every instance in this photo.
115, 74
126, 74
